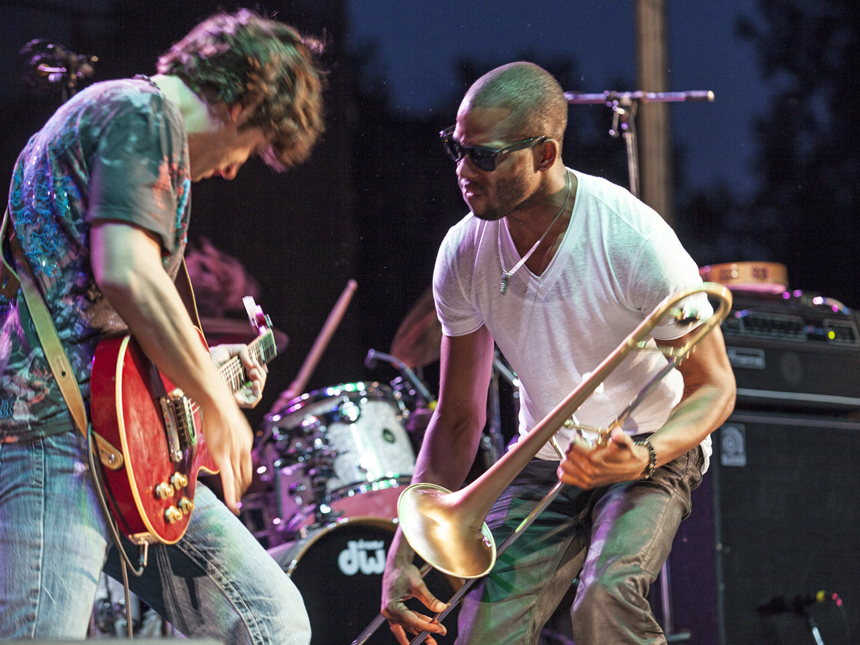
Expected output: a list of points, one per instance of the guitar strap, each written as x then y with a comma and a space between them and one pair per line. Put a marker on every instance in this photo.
55, 354
47, 333
186, 293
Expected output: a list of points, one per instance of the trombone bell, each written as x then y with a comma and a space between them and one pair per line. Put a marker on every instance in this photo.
447, 537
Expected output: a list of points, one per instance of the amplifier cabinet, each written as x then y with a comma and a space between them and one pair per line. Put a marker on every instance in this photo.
777, 515
776, 374
794, 353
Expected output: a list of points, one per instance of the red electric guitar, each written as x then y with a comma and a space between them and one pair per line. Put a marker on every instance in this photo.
150, 442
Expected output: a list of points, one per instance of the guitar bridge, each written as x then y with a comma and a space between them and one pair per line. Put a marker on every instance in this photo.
178, 423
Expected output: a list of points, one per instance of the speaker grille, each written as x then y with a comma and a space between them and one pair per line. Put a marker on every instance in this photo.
777, 515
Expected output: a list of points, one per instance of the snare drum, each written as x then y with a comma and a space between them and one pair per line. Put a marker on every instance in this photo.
338, 570
353, 432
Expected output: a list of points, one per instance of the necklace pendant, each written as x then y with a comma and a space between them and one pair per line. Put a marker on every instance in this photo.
504, 286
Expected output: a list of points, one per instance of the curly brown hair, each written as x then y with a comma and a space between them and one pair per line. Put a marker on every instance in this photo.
246, 59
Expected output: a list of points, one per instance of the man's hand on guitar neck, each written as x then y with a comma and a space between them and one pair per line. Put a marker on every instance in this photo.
234, 446
250, 395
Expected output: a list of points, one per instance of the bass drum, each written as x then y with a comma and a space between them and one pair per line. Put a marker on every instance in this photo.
338, 570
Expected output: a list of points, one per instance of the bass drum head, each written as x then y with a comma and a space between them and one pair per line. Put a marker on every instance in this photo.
338, 570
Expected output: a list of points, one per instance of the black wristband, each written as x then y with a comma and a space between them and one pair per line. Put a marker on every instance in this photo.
652, 459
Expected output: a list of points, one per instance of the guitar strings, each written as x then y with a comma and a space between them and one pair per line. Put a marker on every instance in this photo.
232, 371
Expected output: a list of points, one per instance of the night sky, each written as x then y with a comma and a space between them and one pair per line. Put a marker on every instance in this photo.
419, 48
420, 43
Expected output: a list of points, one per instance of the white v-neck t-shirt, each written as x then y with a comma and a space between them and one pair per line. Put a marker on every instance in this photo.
617, 261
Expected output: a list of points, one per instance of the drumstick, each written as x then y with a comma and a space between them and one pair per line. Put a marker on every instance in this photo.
313, 357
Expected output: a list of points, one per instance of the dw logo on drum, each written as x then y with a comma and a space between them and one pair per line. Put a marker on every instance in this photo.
367, 556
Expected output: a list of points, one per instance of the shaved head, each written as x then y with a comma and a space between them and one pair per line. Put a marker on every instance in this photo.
535, 100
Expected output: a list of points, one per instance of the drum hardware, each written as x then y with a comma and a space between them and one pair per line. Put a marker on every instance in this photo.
406, 392
493, 440
416, 344
421, 389
111, 618
448, 530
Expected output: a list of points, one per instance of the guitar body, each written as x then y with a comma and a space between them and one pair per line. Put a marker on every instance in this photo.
157, 430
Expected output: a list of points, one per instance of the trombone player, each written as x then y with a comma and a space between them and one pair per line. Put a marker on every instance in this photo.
557, 267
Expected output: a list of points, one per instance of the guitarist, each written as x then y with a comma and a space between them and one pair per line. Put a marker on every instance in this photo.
99, 203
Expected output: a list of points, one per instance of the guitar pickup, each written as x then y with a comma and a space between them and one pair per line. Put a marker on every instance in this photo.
178, 413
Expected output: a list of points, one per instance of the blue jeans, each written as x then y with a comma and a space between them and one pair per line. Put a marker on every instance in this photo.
615, 539
216, 582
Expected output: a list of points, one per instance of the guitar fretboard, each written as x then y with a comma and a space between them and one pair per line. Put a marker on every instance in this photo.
262, 349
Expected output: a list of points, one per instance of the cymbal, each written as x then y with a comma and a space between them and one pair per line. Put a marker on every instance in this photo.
220, 331
418, 340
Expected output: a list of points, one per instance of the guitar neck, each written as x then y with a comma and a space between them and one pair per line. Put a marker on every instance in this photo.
262, 349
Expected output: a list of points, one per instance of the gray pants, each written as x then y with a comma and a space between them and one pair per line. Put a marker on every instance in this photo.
615, 539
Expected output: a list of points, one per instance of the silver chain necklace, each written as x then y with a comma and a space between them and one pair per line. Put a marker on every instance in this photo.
507, 274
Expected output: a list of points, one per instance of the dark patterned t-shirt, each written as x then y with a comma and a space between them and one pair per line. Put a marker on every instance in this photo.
116, 151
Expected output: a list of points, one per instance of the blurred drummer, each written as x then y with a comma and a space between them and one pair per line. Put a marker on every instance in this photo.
557, 268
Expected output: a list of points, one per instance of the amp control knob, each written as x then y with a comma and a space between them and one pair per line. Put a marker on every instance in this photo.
164, 490
186, 505
172, 514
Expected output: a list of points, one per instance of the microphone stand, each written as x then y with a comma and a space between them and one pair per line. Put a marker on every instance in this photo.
813, 627
624, 106
494, 441
51, 63
419, 385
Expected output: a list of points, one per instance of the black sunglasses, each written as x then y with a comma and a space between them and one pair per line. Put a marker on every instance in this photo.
483, 158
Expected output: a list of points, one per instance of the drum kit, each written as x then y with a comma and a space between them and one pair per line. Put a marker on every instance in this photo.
343, 451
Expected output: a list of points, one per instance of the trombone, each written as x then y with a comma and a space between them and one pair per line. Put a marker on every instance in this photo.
447, 529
